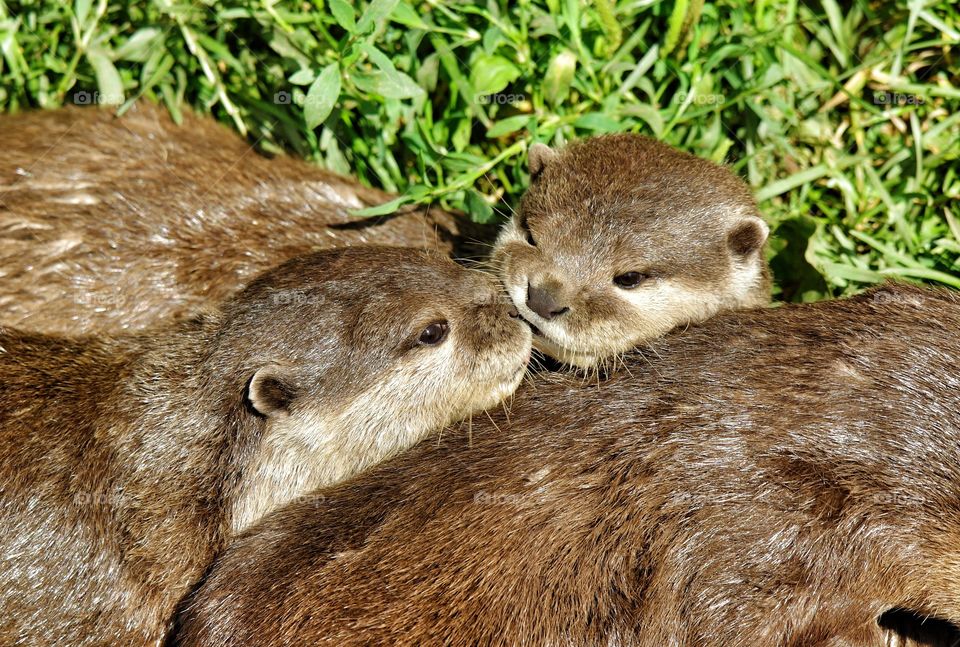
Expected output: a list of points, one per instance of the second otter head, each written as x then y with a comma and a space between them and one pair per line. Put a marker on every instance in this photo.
621, 238
352, 355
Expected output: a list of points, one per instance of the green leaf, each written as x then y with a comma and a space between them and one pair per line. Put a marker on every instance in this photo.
491, 74
556, 83
344, 14
109, 85
81, 9
138, 47
404, 14
479, 210
508, 125
376, 12
599, 122
322, 96
381, 209
393, 85
302, 77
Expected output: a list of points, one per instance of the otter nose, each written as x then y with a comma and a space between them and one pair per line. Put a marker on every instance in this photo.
543, 303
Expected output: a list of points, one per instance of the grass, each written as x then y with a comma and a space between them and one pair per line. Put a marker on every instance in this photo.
843, 117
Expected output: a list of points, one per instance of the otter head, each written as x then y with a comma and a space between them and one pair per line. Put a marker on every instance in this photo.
621, 238
352, 355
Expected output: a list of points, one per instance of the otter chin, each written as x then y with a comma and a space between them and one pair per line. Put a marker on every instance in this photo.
127, 462
620, 239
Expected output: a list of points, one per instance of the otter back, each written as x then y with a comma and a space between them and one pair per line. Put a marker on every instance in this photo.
769, 477
115, 223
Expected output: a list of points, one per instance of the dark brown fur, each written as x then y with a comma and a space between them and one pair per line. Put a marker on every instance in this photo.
109, 223
124, 461
771, 477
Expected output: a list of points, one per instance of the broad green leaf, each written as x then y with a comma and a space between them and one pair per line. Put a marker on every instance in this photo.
109, 85
556, 83
393, 85
479, 210
491, 74
508, 125
599, 122
344, 14
322, 96
302, 77
138, 47
404, 14
376, 11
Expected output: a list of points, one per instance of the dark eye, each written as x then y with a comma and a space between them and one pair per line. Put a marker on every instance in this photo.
525, 226
629, 280
434, 333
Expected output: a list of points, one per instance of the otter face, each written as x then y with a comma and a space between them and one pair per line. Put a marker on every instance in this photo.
620, 239
361, 352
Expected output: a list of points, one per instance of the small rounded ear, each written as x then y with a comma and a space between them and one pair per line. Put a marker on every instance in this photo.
748, 236
271, 391
538, 157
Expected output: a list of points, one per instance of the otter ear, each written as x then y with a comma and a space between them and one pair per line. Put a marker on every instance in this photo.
538, 157
271, 391
748, 236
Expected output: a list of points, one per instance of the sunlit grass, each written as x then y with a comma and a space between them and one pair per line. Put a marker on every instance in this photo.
844, 120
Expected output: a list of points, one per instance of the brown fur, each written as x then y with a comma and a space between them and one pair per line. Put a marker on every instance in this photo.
608, 205
116, 223
127, 462
770, 477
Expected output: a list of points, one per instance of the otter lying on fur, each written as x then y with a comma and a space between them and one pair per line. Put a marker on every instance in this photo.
621, 238
769, 477
127, 462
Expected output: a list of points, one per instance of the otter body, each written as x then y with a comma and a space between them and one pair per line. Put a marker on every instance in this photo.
111, 224
769, 477
127, 462
621, 238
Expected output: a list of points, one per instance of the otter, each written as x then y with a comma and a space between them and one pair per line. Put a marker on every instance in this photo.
768, 477
621, 238
110, 224
127, 462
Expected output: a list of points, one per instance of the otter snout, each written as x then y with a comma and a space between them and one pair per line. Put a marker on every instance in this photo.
544, 301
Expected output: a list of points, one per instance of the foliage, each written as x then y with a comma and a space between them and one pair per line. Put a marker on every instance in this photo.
843, 117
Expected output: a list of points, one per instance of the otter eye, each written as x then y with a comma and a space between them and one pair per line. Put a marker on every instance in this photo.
630, 280
434, 333
525, 226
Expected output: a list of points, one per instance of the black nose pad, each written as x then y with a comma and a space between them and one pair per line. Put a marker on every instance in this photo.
543, 303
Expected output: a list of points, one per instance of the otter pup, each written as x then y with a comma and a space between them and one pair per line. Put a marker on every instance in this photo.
127, 462
769, 477
110, 224
621, 238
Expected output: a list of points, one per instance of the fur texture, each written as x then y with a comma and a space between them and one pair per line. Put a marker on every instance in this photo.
607, 206
112, 223
771, 477
127, 462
